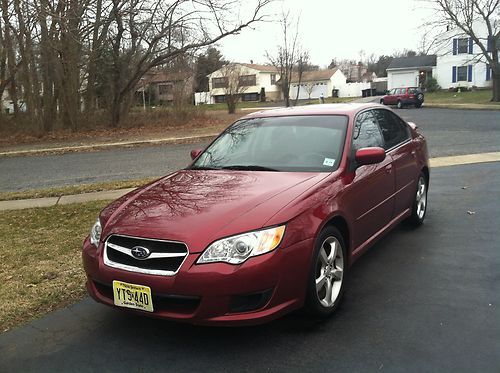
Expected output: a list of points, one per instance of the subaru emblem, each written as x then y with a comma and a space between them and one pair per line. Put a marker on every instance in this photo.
140, 252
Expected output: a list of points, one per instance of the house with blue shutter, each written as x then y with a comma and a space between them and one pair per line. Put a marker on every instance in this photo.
460, 61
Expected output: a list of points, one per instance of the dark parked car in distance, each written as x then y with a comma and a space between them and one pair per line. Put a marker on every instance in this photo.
404, 96
267, 219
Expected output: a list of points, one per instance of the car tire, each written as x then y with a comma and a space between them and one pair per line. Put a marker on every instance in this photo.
327, 275
419, 205
399, 105
418, 105
382, 102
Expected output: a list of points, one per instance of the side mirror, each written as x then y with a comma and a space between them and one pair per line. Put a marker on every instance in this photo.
412, 125
195, 153
370, 156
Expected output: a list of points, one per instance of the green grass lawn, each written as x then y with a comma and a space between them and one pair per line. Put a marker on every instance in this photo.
466, 97
40, 259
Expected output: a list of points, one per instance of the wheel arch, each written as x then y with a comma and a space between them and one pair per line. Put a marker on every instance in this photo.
341, 224
425, 170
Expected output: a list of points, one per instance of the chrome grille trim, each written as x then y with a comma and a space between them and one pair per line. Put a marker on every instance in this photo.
153, 255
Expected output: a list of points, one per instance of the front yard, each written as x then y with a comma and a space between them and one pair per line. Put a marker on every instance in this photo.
40, 260
482, 97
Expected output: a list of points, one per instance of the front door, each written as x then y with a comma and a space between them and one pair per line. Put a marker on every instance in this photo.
370, 194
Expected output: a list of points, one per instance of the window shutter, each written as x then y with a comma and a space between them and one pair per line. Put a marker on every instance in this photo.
455, 46
488, 72
469, 73
454, 74
471, 46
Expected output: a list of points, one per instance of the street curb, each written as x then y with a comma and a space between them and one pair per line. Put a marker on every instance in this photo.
20, 204
121, 144
461, 106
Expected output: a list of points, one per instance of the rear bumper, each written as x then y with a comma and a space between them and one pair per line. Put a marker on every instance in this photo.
264, 287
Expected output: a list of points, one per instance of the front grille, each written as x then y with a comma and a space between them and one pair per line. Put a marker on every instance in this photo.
164, 257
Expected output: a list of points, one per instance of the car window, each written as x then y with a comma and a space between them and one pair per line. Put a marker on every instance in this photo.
366, 132
412, 90
393, 91
398, 91
394, 130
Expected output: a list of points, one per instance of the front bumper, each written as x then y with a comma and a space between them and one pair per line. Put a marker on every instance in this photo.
214, 293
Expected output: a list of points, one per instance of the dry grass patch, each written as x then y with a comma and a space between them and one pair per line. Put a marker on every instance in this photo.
40, 259
75, 189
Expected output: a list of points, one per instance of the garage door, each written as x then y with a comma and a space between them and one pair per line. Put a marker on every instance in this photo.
403, 80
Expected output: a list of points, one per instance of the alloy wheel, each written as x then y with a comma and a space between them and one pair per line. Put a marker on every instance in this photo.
421, 197
329, 271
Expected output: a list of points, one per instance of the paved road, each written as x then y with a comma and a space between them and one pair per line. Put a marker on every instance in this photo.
419, 301
449, 132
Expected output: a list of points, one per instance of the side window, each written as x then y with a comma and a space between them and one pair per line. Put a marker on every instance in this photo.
394, 130
366, 132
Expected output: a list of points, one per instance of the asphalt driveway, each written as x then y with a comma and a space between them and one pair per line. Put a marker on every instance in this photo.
419, 301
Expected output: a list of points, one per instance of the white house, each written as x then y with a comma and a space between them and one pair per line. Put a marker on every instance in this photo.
256, 80
459, 62
410, 71
316, 83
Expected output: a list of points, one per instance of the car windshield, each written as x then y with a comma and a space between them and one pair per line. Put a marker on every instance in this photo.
295, 143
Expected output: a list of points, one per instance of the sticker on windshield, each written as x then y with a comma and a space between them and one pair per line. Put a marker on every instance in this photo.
329, 162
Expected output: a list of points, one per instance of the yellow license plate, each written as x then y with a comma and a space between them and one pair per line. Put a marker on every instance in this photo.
132, 296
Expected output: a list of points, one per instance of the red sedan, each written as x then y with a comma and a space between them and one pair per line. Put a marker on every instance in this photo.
267, 219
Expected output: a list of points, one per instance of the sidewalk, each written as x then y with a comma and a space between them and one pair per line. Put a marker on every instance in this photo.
114, 194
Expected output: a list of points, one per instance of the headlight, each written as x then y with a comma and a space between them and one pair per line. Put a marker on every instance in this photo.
95, 233
237, 249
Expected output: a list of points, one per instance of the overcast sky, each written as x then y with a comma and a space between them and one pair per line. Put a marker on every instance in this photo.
336, 28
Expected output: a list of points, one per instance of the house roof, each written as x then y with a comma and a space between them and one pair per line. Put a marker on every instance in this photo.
409, 62
256, 66
315, 75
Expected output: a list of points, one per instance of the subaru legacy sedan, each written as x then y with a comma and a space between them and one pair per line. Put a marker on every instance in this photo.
267, 219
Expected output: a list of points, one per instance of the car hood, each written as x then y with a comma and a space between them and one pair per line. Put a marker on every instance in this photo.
199, 206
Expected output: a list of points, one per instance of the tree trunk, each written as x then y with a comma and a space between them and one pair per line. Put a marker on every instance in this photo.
231, 104
496, 87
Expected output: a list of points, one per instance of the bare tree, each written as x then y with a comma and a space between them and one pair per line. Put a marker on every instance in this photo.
309, 89
285, 58
464, 16
150, 33
235, 85
302, 64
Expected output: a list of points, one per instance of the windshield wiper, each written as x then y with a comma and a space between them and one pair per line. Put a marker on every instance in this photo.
249, 168
203, 168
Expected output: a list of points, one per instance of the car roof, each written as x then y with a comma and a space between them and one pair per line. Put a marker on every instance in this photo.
349, 109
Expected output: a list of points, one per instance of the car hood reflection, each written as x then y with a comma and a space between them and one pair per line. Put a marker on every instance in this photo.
199, 206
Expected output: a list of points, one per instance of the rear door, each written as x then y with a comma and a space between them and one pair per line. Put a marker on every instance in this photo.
370, 195
399, 145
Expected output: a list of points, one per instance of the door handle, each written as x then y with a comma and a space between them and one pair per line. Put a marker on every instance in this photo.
388, 168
